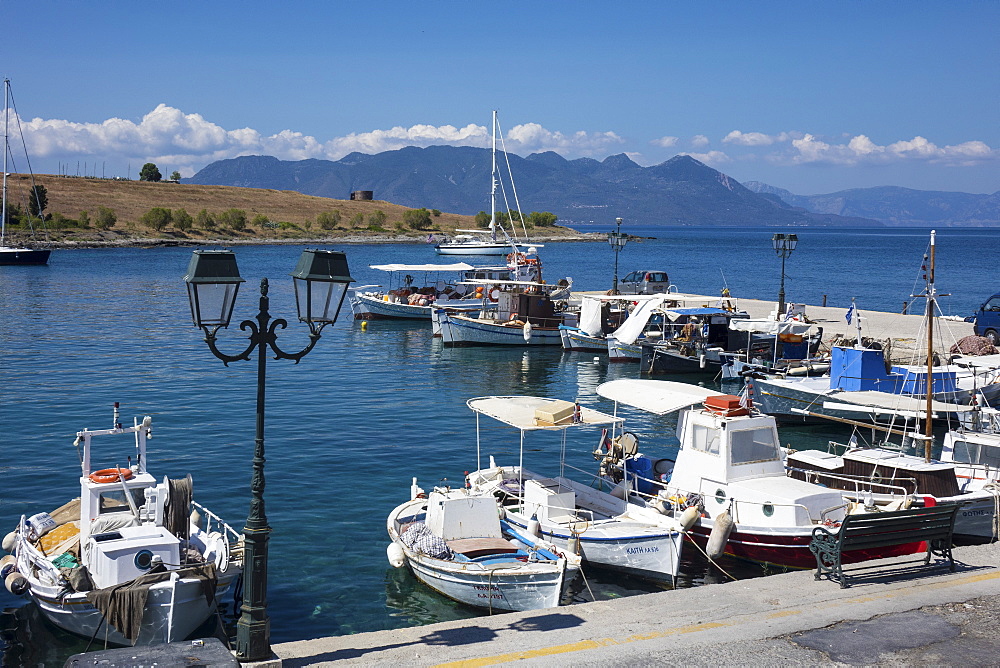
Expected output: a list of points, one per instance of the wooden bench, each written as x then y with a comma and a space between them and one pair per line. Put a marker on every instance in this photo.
871, 531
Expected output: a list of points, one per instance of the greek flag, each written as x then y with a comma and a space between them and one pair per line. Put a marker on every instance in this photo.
850, 313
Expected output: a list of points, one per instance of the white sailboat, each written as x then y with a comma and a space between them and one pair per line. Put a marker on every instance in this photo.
13, 255
486, 242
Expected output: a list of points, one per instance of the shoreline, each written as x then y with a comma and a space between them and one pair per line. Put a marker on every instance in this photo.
353, 239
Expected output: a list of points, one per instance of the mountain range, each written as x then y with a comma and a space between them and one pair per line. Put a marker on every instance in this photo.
680, 191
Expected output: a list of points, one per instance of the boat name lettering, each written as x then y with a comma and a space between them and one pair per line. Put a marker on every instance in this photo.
974, 513
641, 550
489, 595
486, 587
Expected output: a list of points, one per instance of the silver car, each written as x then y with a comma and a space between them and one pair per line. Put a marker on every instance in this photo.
644, 283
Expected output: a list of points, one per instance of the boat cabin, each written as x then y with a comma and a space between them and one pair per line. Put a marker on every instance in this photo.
861, 369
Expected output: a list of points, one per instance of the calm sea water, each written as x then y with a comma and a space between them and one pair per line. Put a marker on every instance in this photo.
366, 410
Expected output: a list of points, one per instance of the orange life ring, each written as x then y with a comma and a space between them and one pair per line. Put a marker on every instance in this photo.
494, 295
110, 475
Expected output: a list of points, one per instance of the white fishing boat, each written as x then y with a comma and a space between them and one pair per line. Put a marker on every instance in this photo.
599, 314
783, 347
730, 470
488, 242
455, 543
525, 313
13, 255
130, 561
409, 300
604, 528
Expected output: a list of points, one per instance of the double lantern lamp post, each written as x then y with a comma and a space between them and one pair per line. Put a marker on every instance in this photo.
213, 279
783, 245
617, 241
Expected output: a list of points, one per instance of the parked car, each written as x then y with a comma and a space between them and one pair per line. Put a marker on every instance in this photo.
986, 321
644, 283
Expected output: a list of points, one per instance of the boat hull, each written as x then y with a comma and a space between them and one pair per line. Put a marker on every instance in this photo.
575, 340
472, 249
623, 352
465, 331
23, 256
369, 307
658, 360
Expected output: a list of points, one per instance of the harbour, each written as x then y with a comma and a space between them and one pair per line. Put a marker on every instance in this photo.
370, 408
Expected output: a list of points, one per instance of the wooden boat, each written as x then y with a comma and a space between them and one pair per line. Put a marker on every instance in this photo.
607, 530
412, 301
526, 313
730, 469
129, 560
455, 543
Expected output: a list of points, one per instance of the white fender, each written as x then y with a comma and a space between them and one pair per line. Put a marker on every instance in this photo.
689, 517
527, 331
534, 527
396, 555
10, 541
8, 565
720, 535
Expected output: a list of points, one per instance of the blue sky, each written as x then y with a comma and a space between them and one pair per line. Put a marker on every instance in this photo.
810, 96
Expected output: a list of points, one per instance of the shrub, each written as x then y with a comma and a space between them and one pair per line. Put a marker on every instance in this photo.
435, 213
156, 218
377, 219
233, 219
84, 219
105, 218
205, 220
358, 220
482, 219
418, 219
182, 220
542, 218
328, 220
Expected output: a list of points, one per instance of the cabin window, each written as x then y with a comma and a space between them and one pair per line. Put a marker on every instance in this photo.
705, 439
967, 452
115, 502
753, 445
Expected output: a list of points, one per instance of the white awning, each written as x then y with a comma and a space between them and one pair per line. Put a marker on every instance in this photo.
457, 266
655, 396
769, 326
633, 326
519, 412
897, 402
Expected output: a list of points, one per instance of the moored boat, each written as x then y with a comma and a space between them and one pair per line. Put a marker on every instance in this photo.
13, 255
129, 559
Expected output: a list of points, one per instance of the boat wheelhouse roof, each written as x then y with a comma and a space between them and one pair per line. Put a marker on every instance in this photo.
457, 266
622, 298
675, 313
897, 402
654, 396
504, 281
770, 326
519, 412
981, 361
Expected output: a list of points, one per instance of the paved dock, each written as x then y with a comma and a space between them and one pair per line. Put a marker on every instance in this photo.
907, 332
897, 612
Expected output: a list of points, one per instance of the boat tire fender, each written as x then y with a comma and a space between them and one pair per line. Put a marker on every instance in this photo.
221, 549
110, 475
16, 583
720, 535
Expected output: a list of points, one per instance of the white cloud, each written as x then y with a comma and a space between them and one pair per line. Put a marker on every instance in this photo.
860, 149
665, 142
189, 142
754, 138
700, 140
711, 158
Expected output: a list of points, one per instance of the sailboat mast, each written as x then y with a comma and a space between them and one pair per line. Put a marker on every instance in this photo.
931, 307
6, 150
493, 183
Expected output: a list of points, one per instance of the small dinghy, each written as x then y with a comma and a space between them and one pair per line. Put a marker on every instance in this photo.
455, 543
130, 562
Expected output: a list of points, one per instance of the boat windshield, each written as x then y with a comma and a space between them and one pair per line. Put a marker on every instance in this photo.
968, 452
114, 501
705, 439
753, 445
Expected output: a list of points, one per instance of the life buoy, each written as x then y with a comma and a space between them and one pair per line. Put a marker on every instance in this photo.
494, 294
110, 475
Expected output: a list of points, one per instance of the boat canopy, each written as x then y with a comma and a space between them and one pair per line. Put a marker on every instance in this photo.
634, 325
896, 402
457, 266
654, 396
675, 313
519, 411
769, 326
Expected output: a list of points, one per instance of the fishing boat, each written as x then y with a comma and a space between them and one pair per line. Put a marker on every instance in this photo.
133, 560
14, 255
605, 529
599, 315
412, 301
861, 381
525, 313
730, 470
455, 543
781, 347
487, 242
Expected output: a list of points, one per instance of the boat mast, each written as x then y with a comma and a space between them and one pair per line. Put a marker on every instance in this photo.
929, 317
493, 183
6, 150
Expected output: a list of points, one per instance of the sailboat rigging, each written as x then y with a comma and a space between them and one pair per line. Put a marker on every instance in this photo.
11, 255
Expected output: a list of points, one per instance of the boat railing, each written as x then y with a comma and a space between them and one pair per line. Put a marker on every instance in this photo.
210, 517
861, 484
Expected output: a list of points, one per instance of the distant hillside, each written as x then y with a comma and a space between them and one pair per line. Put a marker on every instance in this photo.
896, 206
680, 191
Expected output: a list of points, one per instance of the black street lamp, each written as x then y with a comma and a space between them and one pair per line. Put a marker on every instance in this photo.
320, 279
783, 244
617, 241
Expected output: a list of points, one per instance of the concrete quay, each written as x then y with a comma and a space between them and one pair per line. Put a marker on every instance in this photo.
896, 612
907, 332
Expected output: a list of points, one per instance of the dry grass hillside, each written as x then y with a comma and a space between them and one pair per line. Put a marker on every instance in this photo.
290, 215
